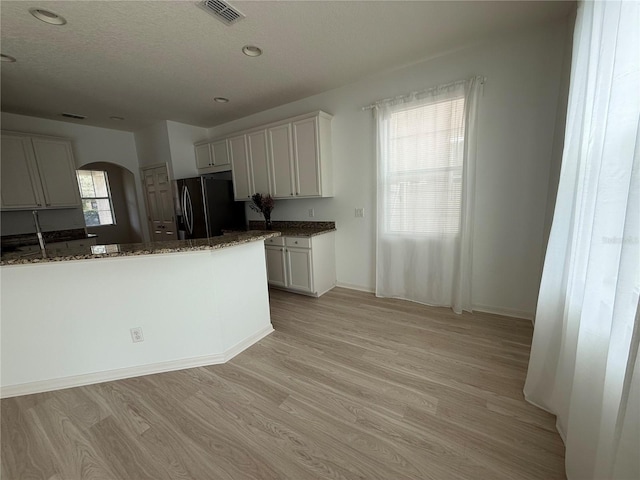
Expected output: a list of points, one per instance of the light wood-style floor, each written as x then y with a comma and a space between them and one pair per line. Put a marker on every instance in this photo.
348, 387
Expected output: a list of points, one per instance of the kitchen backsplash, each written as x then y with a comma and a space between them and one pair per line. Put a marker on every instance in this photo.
22, 240
21, 221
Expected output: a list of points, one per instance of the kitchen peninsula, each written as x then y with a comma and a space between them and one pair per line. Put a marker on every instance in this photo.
67, 317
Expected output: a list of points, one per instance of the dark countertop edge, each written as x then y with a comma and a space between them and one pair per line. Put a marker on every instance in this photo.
303, 232
132, 250
296, 231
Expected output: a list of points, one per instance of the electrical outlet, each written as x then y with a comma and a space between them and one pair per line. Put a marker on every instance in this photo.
136, 335
360, 212
312, 213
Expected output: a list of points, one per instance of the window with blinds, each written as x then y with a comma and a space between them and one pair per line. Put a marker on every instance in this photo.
97, 205
424, 169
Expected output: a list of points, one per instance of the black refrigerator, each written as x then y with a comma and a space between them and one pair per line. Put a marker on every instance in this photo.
206, 207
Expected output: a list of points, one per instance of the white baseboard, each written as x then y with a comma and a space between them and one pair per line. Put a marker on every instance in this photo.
359, 288
129, 372
246, 343
507, 312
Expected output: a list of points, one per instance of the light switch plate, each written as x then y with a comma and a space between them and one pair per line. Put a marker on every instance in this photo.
312, 212
360, 212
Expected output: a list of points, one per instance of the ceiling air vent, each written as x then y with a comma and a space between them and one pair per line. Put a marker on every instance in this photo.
73, 115
222, 11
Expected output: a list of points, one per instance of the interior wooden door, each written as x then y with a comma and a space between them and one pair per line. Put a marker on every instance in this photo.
160, 210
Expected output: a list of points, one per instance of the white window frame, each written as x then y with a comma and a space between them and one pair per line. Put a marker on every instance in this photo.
108, 198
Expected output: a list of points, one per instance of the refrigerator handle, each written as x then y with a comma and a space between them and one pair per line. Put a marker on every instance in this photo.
188, 210
183, 207
185, 212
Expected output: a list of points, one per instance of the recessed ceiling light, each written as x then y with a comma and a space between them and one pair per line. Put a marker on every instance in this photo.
251, 51
114, 117
7, 58
47, 16
221, 100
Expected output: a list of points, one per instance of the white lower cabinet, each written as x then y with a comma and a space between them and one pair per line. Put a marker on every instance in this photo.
300, 269
302, 264
276, 265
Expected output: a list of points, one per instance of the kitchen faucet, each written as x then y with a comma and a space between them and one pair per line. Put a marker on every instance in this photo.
36, 220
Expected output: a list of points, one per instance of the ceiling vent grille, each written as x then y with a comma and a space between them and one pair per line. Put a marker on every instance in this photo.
74, 115
222, 11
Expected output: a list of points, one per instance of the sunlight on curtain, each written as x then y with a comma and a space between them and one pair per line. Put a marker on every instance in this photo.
426, 157
584, 365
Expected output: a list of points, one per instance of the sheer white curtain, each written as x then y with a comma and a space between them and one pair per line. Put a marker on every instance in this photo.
584, 364
426, 146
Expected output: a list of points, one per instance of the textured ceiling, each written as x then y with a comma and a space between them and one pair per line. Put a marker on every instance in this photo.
165, 60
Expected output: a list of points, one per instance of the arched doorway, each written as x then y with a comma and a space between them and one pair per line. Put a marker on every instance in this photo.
127, 227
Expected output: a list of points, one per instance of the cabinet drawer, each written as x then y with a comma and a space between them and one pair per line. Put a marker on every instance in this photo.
275, 241
301, 242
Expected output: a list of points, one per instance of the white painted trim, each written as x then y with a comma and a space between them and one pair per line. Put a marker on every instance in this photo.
129, 372
246, 343
506, 312
359, 288
319, 294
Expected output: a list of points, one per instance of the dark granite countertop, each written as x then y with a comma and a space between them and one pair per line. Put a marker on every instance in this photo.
297, 229
132, 249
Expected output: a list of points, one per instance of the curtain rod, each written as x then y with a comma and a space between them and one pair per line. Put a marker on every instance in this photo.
421, 92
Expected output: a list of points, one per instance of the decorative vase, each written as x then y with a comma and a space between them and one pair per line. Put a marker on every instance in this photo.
267, 221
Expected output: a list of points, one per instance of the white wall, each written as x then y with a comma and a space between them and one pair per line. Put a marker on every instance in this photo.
181, 140
63, 340
560, 123
90, 144
152, 145
517, 117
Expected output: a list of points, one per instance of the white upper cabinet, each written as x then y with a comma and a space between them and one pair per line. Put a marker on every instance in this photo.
21, 186
57, 172
242, 187
38, 172
203, 156
281, 161
220, 154
212, 157
307, 158
287, 159
259, 162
